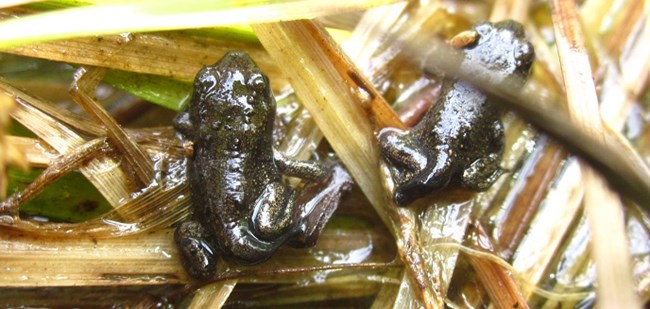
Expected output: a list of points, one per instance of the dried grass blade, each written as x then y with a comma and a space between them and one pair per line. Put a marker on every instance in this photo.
550, 225
154, 209
28, 148
603, 206
369, 35
406, 294
85, 261
85, 83
386, 297
213, 295
323, 90
619, 91
595, 11
512, 9
170, 54
104, 172
499, 284
158, 206
77, 258
9, 153
636, 64
62, 116
414, 16
523, 208
6, 103
631, 12
146, 53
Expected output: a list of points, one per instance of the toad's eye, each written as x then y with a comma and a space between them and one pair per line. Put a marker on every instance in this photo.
522, 51
208, 83
258, 82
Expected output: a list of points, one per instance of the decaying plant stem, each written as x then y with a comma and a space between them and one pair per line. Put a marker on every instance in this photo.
41, 120
498, 282
342, 119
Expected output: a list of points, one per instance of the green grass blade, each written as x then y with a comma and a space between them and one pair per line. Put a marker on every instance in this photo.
166, 92
164, 15
69, 199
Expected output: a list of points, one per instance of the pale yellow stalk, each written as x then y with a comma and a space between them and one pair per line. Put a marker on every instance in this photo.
602, 205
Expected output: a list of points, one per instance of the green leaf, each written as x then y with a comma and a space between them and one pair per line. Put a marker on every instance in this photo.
69, 199
167, 92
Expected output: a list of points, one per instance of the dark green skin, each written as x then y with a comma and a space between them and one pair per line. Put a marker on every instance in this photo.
242, 207
460, 139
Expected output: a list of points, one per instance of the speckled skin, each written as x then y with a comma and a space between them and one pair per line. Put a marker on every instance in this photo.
460, 139
242, 207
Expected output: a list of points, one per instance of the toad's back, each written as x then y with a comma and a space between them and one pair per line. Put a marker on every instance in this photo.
230, 122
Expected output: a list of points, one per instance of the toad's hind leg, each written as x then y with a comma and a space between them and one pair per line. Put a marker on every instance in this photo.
317, 202
197, 253
274, 211
404, 157
435, 176
282, 215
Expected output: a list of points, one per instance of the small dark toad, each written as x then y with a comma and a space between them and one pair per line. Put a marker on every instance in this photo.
243, 208
460, 139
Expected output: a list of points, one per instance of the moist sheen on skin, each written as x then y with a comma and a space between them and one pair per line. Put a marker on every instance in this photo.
460, 140
242, 208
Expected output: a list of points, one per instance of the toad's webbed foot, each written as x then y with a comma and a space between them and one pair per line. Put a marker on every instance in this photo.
312, 207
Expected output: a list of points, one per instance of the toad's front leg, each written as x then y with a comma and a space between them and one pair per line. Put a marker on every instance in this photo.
481, 173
